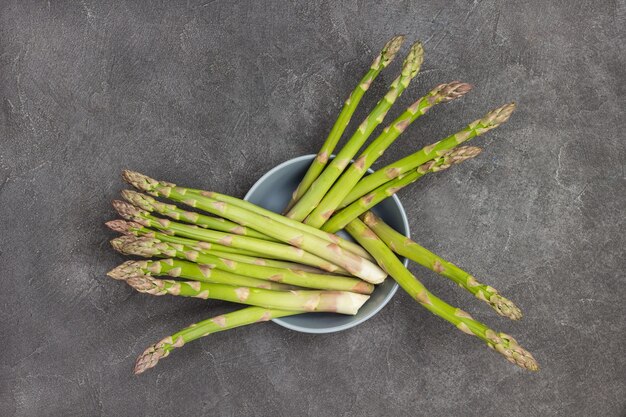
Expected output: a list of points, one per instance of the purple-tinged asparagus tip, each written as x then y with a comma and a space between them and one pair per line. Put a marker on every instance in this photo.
123, 226
129, 212
390, 49
127, 270
140, 181
498, 116
452, 91
514, 353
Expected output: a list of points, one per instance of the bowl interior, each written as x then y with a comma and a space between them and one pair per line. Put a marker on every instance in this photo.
273, 191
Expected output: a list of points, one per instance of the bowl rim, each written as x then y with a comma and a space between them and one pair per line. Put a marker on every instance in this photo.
388, 297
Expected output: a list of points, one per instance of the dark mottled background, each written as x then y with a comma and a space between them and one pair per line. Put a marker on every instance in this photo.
213, 94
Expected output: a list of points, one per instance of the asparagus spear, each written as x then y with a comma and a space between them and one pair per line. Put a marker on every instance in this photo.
272, 249
342, 302
328, 237
228, 252
248, 315
322, 184
151, 205
440, 94
317, 166
360, 206
304, 240
193, 271
501, 342
149, 247
369, 183
404, 246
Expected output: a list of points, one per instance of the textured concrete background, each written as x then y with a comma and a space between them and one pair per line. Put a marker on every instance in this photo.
213, 94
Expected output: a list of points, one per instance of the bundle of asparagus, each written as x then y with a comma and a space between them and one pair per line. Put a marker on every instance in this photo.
229, 249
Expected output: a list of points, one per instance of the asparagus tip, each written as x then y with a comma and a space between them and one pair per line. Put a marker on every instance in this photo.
145, 284
514, 353
451, 91
498, 116
122, 226
140, 200
128, 211
127, 270
140, 246
150, 357
413, 60
140, 181
391, 48
505, 307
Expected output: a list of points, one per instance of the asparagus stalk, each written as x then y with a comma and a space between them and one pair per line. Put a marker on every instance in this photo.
317, 166
328, 237
228, 252
189, 270
404, 246
342, 302
440, 94
360, 206
149, 247
151, 205
369, 183
272, 249
501, 342
245, 316
304, 240
322, 184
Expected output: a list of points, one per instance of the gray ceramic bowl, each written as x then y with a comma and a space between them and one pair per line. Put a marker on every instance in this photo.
273, 191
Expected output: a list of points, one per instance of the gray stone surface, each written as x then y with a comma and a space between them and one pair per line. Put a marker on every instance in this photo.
213, 94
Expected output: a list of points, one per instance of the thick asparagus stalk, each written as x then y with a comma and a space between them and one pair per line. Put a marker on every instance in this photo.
322, 184
360, 206
404, 246
317, 166
271, 249
304, 240
342, 302
189, 270
245, 316
228, 252
501, 342
151, 205
369, 183
440, 94
149, 247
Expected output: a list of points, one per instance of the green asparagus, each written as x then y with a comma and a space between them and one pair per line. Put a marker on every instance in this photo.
404, 246
149, 247
501, 342
342, 302
440, 94
322, 184
304, 240
248, 315
317, 166
369, 183
354, 210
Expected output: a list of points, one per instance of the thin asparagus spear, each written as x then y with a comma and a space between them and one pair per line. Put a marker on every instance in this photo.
404, 246
490, 121
342, 302
228, 252
328, 237
149, 247
304, 240
245, 316
440, 94
317, 166
272, 249
360, 206
322, 184
189, 270
151, 205
501, 342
